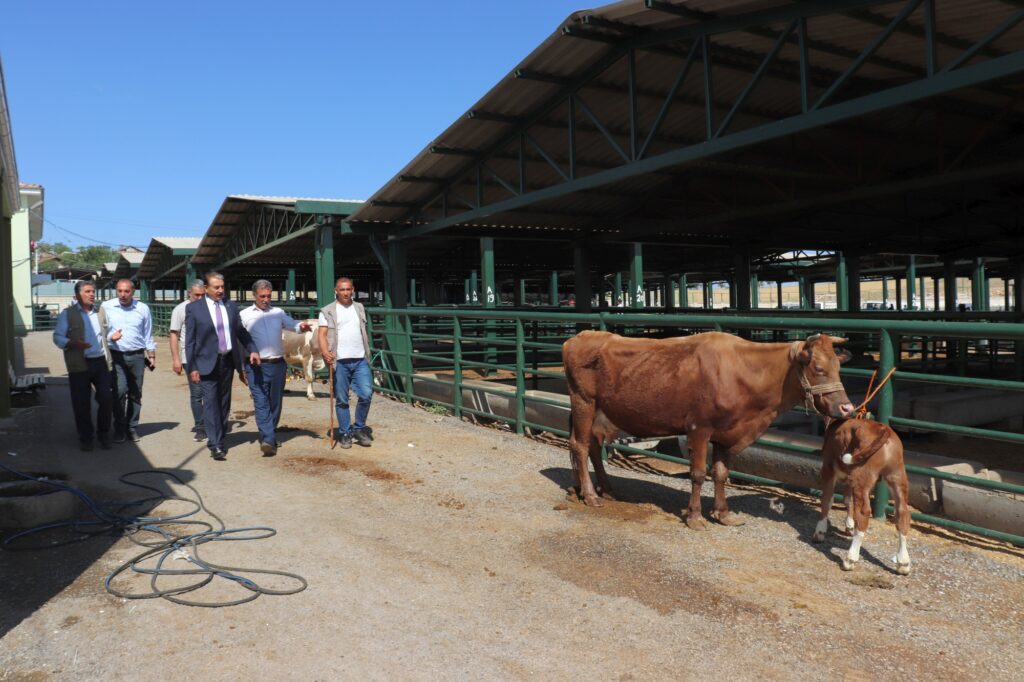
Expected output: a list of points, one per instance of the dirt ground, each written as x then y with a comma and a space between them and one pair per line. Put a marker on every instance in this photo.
451, 551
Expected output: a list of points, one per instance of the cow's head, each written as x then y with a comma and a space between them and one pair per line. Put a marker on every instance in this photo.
817, 361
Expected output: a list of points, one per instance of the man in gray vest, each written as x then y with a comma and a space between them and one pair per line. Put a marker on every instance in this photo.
81, 332
345, 345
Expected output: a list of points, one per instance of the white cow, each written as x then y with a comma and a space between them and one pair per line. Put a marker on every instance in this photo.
302, 351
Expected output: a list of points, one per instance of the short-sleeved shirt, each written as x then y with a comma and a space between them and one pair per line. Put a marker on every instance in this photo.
178, 325
349, 333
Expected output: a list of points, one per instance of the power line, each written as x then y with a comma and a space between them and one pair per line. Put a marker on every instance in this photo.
114, 221
80, 236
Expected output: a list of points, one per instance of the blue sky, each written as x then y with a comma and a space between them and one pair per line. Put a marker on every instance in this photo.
139, 117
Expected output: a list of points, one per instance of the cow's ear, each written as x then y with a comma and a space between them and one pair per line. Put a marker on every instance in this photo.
843, 355
803, 356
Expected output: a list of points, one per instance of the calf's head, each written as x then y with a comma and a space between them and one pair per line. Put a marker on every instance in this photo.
817, 361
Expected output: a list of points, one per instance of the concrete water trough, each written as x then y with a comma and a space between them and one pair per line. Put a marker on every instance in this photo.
26, 503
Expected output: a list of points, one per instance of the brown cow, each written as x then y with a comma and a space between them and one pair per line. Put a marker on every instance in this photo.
712, 387
862, 451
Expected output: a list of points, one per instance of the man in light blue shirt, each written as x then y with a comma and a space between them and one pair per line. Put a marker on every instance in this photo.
132, 349
79, 333
266, 376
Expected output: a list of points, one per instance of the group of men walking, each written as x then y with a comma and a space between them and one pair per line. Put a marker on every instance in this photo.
107, 348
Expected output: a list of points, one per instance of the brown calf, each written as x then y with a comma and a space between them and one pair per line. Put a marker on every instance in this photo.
863, 452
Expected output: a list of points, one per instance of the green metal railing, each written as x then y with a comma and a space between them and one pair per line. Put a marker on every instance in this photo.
520, 348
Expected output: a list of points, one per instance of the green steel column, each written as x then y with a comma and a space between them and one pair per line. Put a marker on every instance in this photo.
636, 275
886, 359
323, 259
911, 281
457, 367
581, 278
923, 289
668, 286
490, 297
520, 294
144, 291
397, 328
778, 293
709, 298
935, 294
474, 288
755, 292
617, 297
842, 285
412, 291
949, 285
684, 292
468, 297
289, 286
805, 301
553, 289
978, 285
899, 294
190, 276
1017, 268
852, 259
885, 292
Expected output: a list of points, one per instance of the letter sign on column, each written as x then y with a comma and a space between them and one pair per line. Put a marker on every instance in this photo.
490, 295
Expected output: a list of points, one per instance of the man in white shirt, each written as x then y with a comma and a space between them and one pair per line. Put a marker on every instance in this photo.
178, 333
132, 350
266, 376
344, 343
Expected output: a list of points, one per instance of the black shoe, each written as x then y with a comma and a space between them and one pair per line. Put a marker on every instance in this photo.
199, 435
368, 430
119, 436
218, 454
85, 445
361, 437
345, 441
134, 436
104, 442
268, 449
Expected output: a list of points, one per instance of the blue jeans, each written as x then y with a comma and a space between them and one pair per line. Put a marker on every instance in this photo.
353, 373
128, 372
266, 384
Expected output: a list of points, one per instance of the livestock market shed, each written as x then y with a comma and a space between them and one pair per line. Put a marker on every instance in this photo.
768, 168
649, 148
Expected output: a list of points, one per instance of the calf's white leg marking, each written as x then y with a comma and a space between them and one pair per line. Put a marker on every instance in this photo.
902, 558
853, 556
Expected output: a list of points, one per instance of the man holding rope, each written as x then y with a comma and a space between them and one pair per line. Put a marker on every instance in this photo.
346, 349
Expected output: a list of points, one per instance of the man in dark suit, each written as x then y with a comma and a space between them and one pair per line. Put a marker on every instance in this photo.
217, 345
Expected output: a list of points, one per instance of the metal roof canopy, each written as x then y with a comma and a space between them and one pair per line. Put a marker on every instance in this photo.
166, 257
885, 126
261, 233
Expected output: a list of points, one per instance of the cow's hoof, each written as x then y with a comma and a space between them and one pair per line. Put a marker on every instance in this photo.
818, 537
728, 518
592, 501
903, 569
848, 565
607, 495
695, 522
310, 397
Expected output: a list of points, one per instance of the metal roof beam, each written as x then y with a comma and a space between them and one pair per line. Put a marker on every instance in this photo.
909, 93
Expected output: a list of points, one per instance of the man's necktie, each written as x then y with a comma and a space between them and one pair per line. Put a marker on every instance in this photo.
222, 341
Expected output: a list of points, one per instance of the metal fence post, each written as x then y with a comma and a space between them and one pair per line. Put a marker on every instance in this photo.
407, 327
885, 399
520, 376
457, 366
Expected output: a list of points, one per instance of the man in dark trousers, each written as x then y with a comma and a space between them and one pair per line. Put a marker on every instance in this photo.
82, 335
217, 345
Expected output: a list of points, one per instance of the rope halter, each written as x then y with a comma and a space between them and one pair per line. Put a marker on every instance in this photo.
809, 390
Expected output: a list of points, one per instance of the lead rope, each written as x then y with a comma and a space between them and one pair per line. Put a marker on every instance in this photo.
862, 409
